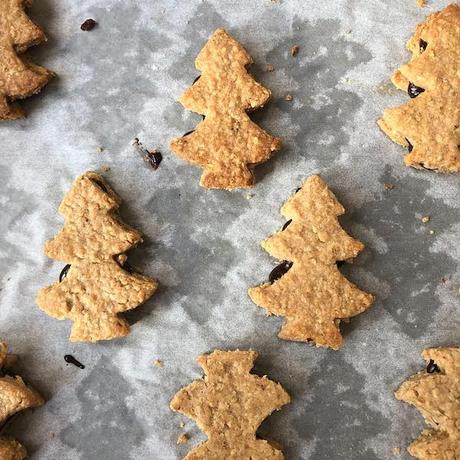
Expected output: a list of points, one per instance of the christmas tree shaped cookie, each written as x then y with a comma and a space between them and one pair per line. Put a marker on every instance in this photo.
307, 287
429, 123
436, 394
227, 144
228, 404
98, 285
15, 396
18, 78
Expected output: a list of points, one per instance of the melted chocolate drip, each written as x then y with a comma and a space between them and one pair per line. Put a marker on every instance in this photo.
286, 225
432, 367
422, 44
196, 79
71, 360
64, 272
188, 132
279, 271
414, 91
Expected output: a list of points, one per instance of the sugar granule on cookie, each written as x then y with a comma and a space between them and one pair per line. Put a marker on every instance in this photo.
97, 285
306, 287
18, 77
228, 404
429, 123
435, 392
227, 144
15, 396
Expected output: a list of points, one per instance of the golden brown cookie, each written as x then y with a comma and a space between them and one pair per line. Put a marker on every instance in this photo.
228, 404
429, 123
98, 285
11, 450
307, 287
18, 77
227, 144
436, 394
15, 396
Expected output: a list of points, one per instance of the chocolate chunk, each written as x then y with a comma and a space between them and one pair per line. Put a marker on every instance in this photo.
196, 79
279, 271
432, 367
64, 273
189, 132
298, 189
422, 44
286, 225
71, 360
88, 25
152, 158
413, 90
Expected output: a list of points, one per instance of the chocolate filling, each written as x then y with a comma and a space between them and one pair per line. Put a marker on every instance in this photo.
64, 272
286, 225
410, 147
432, 367
422, 44
414, 91
279, 271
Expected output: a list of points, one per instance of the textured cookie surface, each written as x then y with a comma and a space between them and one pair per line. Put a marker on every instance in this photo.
436, 394
93, 240
15, 396
228, 404
312, 295
18, 78
429, 124
227, 144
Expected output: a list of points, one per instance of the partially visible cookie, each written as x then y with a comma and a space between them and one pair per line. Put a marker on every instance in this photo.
435, 392
98, 285
228, 404
307, 287
15, 396
429, 124
18, 77
227, 144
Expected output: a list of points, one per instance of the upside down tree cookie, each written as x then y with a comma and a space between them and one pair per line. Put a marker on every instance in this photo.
436, 394
429, 123
15, 396
228, 404
18, 77
307, 287
97, 284
227, 144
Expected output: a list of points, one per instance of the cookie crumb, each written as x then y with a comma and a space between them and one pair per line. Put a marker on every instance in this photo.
183, 438
158, 363
421, 3
288, 97
397, 450
294, 51
431, 232
269, 68
51, 435
105, 168
425, 219
88, 25
99, 149
388, 186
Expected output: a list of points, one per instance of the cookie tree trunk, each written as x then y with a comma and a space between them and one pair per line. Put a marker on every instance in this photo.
311, 292
227, 144
97, 288
18, 78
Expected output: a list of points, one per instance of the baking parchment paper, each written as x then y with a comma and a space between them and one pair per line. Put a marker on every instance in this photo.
121, 81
